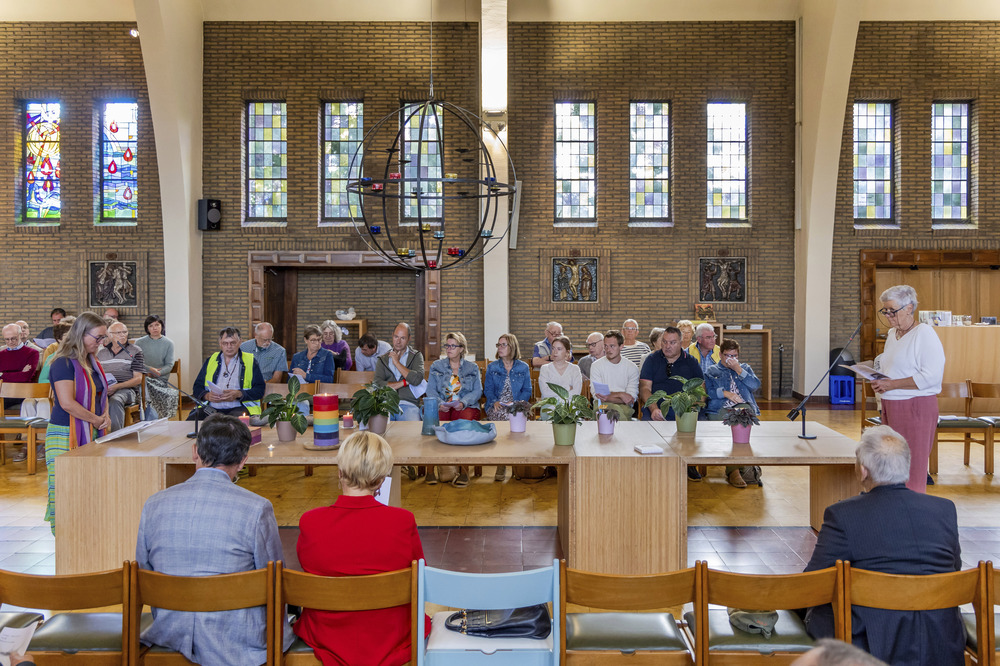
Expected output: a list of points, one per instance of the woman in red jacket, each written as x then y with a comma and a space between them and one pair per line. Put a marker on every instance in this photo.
358, 536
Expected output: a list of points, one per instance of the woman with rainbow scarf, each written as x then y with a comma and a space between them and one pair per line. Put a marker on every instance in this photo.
80, 413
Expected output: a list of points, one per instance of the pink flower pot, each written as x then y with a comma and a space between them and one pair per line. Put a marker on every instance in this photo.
741, 434
518, 422
605, 426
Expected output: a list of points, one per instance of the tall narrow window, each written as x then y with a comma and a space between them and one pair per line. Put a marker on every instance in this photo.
119, 166
343, 132
42, 193
649, 163
727, 161
873, 171
950, 161
423, 167
267, 166
576, 172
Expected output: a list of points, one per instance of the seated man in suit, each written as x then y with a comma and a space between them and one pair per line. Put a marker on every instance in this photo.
208, 526
892, 529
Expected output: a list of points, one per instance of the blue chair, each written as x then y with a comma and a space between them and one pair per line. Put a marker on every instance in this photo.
487, 592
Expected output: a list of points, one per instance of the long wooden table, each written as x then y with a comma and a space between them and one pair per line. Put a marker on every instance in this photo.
619, 512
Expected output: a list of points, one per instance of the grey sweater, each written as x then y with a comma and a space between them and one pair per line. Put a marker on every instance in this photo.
157, 354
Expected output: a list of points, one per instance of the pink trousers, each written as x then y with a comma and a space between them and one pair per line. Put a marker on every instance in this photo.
916, 420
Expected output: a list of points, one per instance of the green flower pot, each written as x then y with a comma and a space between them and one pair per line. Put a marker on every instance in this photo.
687, 422
565, 433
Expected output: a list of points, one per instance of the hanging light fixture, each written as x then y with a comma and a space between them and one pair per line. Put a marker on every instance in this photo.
437, 201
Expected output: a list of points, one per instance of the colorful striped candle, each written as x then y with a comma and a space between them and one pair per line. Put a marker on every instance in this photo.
326, 420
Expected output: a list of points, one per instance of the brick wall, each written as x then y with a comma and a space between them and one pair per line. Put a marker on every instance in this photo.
914, 64
303, 63
653, 272
78, 64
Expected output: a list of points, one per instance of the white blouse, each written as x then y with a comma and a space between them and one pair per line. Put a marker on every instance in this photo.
571, 379
919, 355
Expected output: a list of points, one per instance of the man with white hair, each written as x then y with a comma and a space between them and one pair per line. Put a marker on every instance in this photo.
595, 349
270, 356
703, 349
892, 529
125, 362
633, 349
542, 352
26, 335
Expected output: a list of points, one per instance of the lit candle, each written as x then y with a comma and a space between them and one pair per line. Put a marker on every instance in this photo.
246, 420
348, 420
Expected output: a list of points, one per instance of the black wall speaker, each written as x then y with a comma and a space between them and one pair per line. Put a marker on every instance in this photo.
209, 214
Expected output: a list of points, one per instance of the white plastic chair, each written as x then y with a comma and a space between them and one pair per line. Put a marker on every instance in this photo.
487, 592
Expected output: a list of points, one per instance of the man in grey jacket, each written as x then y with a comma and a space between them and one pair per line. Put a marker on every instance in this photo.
402, 369
204, 527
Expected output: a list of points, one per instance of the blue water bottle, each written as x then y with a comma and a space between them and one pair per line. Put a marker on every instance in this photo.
430, 415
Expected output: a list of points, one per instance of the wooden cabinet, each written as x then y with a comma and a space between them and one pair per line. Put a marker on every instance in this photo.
356, 327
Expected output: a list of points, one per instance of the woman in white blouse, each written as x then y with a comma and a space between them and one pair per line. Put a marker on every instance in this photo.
560, 371
913, 361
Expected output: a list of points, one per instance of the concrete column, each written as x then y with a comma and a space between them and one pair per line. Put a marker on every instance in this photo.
493, 98
828, 35
172, 36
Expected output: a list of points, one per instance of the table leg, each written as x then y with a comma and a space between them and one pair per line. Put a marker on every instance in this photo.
828, 484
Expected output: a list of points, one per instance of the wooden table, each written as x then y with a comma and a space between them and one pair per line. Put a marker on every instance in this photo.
619, 512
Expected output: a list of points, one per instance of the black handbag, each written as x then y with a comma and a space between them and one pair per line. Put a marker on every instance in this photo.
527, 622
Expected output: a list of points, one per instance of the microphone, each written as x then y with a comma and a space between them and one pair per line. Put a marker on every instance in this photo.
205, 407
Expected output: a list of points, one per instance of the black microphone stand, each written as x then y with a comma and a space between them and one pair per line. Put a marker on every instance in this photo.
203, 408
792, 415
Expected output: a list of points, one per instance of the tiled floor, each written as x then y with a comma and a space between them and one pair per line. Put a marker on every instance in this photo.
493, 526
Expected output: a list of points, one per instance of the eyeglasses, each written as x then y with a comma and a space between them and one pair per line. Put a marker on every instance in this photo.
500, 345
314, 339
16, 338
631, 328
119, 332
450, 346
730, 356
885, 312
599, 342
96, 337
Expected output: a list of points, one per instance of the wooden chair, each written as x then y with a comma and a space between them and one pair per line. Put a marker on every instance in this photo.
626, 637
344, 391
536, 394
32, 429
873, 589
353, 376
133, 413
719, 642
246, 589
176, 370
961, 424
347, 593
868, 393
84, 638
979, 391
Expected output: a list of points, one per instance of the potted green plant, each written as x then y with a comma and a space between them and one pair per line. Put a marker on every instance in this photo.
518, 411
741, 417
608, 414
565, 412
685, 402
373, 405
283, 413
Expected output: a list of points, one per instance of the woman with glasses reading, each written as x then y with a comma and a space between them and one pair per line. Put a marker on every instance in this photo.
508, 379
456, 383
80, 412
913, 363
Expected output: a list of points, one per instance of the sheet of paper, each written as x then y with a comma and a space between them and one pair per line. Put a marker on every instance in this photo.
419, 389
866, 371
452, 405
15, 641
597, 388
212, 386
383, 491
110, 378
135, 427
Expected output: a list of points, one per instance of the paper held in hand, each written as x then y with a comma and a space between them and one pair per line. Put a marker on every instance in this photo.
15, 640
865, 371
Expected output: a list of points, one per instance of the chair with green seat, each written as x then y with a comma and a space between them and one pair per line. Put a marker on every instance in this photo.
97, 638
874, 589
963, 424
981, 391
621, 636
223, 592
346, 593
981, 624
718, 641
33, 429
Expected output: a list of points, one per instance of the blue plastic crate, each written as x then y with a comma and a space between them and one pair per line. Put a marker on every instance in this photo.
841, 390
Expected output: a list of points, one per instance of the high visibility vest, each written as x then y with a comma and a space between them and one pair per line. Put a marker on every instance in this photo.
253, 407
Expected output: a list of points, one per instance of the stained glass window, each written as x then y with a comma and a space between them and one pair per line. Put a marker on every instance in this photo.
576, 173
119, 179
42, 193
267, 163
649, 161
343, 132
950, 161
727, 161
423, 155
873, 160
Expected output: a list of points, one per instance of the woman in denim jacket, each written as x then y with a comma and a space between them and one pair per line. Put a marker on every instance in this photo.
507, 380
457, 384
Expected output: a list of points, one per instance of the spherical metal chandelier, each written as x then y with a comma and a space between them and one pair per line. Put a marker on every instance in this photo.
436, 201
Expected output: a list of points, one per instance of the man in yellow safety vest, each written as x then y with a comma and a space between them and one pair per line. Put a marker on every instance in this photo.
230, 380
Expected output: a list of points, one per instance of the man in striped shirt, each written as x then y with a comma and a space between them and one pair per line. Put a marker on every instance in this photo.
634, 350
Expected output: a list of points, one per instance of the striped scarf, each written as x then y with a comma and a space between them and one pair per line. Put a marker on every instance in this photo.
80, 432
